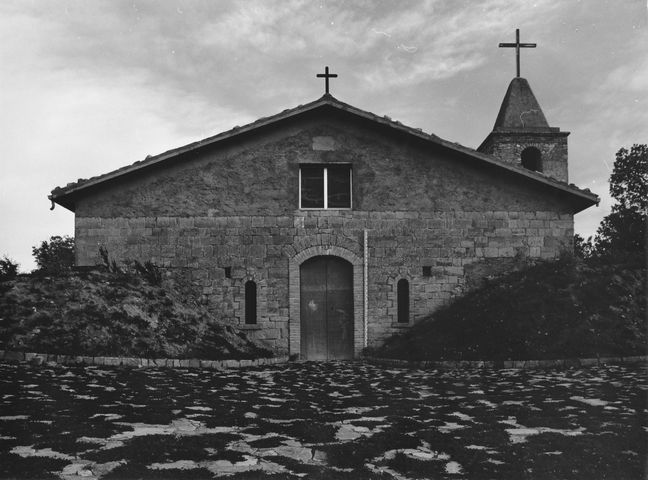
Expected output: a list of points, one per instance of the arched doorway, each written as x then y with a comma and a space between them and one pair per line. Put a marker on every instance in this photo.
326, 310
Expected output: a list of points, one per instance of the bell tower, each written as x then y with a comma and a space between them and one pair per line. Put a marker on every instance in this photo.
521, 135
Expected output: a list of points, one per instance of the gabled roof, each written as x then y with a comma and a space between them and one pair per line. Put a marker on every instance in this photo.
65, 196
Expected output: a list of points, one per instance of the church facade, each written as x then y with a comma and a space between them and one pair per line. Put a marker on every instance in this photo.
324, 229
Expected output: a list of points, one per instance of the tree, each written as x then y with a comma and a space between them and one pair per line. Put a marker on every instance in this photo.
55, 256
582, 248
623, 231
629, 179
8, 269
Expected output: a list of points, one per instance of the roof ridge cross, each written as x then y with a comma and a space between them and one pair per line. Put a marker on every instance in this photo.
517, 45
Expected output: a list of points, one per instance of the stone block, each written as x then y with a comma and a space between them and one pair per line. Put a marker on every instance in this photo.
208, 364
635, 359
39, 359
15, 356
112, 361
589, 362
194, 363
130, 362
572, 362
231, 364
609, 360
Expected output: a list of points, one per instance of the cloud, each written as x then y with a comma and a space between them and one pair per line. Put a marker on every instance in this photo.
446, 41
61, 121
203, 46
92, 86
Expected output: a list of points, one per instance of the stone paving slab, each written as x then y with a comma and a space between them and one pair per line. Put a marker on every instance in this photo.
322, 420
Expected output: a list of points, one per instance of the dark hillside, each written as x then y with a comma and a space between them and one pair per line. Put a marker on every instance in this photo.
103, 313
558, 309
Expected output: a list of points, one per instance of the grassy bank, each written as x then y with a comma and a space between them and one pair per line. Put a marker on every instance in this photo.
113, 314
558, 309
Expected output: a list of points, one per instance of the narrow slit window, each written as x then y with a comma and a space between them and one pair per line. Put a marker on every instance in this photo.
250, 303
402, 298
325, 186
228, 272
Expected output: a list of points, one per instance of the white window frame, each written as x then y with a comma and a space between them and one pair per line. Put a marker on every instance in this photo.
326, 207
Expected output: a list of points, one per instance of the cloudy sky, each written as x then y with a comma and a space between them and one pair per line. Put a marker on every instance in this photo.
88, 86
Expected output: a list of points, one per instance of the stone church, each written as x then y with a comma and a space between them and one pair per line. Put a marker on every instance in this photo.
325, 228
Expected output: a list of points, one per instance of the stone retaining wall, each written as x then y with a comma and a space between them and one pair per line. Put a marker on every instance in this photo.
519, 364
40, 358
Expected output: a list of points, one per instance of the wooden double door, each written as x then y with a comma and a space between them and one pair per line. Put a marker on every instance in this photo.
326, 314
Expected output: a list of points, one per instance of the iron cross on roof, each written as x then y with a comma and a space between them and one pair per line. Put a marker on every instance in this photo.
517, 45
326, 75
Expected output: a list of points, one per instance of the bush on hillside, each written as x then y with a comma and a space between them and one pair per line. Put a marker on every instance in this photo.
100, 313
54, 256
8, 269
131, 268
554, 309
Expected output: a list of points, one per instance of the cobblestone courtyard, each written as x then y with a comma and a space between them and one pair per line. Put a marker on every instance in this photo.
322, 420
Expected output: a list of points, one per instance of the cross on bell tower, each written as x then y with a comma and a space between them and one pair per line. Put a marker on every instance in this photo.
326, 75
521, 135
517, 45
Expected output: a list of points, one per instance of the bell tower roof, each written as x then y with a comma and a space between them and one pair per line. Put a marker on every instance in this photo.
520, 110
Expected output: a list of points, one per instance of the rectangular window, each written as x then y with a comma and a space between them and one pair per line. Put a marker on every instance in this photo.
325, 186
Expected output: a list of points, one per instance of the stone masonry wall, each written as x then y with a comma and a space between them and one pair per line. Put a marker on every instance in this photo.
509, 147
235, 205
196, 251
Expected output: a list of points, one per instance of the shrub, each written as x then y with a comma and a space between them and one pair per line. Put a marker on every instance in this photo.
149, 271
54, 256
554, 309
8, 269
